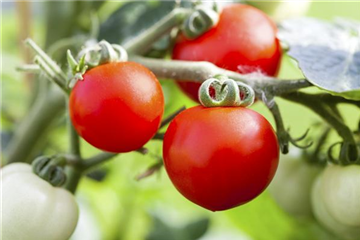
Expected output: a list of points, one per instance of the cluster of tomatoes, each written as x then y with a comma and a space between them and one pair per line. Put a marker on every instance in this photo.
219, 157
329, 193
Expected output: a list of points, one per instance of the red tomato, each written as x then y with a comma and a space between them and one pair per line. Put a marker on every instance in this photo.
244, 40
117, 107
220, 157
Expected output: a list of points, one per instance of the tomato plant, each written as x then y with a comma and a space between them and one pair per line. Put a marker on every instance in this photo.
221, 157
291, 186
117, 107
33, 209
340, 213
244, 40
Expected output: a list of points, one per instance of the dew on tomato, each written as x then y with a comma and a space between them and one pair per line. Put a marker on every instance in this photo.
244, 40
117, 107
222, 157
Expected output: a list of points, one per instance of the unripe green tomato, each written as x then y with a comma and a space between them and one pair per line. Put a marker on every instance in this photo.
291, 186
281, 10
341, 189
325, 218
32, 209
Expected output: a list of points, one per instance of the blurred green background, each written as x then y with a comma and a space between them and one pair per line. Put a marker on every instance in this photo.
113, 204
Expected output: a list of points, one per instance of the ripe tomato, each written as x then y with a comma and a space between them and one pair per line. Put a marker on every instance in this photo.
244, 40
117, 107
220, 157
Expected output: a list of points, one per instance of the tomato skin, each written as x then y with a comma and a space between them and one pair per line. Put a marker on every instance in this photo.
221, 157
117, 107
341, 189
320, 202
32, 209
244, 41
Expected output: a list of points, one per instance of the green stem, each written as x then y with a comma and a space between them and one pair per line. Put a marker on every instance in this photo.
317, 105
97, 160
29, 134
167, 120
201, 71
282, 134
142, 43
74, 139
73, 173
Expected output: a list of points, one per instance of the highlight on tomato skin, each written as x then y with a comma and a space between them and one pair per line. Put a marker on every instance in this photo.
117, 107
234, 44
220, 157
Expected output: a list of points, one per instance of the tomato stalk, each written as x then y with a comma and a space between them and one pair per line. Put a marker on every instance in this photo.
143, 42
349, 150
200, 71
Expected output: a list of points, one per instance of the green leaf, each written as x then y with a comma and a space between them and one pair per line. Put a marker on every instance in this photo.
328, 53
133, 18
196, 229
162, 231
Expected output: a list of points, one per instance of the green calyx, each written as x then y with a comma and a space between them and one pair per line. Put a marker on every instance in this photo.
221, 91
92, 56
201, 20
50, 169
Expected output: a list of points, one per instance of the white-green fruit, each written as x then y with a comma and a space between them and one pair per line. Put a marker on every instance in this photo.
323, 213
32, 209
281, 10
291, 186
342, 190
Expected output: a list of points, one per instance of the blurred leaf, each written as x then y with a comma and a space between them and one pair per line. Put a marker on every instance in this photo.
132, 18
59, 20
191, 231
196, 229
262, 219
327, 53
162, 231
97, 175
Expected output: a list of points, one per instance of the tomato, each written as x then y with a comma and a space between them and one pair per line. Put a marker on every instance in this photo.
324, 207
117, 107
32, 209
291, 186
281, 10
341, 189
244, 40
220, 157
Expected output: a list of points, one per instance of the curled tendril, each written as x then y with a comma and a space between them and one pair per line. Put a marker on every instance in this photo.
294, 141
49, 169
349, 153
200, 21
227, 93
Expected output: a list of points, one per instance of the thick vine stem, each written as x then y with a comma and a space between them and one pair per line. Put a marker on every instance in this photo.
29, 133
143, 42
74, 175
201, 71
